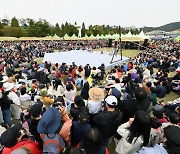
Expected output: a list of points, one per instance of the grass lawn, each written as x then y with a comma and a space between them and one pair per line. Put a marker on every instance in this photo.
125, 52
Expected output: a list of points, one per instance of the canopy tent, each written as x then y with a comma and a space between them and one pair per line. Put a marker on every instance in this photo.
102, 36
55, 36
28, 38
177, 38
86, 37
91, 37
132, 39
8, 38
115, 36
108, 36
142, 35
67, 37
74, 37
98, 36
129, 34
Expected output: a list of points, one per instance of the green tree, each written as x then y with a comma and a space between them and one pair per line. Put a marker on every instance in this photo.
12, 31
31, 23
66, 28
14, 22
62, 30
57, 30
1, 27
83, 30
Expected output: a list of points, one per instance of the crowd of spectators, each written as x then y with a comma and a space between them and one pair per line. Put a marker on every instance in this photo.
60, 108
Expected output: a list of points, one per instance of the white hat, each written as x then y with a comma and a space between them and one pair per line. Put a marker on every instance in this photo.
111, 100
5, 78
8, 86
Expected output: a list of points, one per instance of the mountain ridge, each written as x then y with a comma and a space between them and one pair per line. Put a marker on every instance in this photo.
168, 27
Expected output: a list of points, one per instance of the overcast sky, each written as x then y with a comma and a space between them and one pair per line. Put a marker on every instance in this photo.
110, 12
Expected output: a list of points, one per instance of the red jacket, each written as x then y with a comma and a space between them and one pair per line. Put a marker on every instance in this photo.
32, 146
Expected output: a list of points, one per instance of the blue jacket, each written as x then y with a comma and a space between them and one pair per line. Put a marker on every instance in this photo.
157, 149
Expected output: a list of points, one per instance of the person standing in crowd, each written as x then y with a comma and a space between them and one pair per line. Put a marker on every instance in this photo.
11, 95
35, 112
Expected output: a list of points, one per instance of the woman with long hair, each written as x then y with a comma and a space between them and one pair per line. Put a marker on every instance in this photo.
135, 133
85, 91
92, 142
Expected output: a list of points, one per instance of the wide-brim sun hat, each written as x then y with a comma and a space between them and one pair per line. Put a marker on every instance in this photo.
96, 94
50, 121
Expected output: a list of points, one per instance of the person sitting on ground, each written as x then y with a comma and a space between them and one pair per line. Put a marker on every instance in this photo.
155, 134
14, 138
92, 142
135, 133
96, 95
171, 143
77, 107
108, 120
174, 119
79, 128
70, 91
85, 91
161, 90
159, 115
140, 102
47, 101
25, 99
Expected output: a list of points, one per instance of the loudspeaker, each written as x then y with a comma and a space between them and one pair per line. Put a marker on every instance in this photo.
110, 43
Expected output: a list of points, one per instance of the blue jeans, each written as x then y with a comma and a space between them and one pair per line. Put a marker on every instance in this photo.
7, 117
1, 117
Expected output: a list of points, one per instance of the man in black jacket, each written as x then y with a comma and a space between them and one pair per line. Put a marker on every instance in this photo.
140, 102
109, 119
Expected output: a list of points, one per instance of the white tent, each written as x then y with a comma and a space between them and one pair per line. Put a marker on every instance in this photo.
142, 35
129, 34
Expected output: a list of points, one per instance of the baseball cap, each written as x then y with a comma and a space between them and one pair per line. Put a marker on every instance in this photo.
111, 100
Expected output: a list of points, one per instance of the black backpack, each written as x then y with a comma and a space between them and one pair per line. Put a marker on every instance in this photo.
5, 98
5, 101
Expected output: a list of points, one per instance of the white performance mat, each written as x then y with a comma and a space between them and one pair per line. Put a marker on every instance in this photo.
82, 57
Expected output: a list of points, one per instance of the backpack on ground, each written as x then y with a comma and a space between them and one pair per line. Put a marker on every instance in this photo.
53, 144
